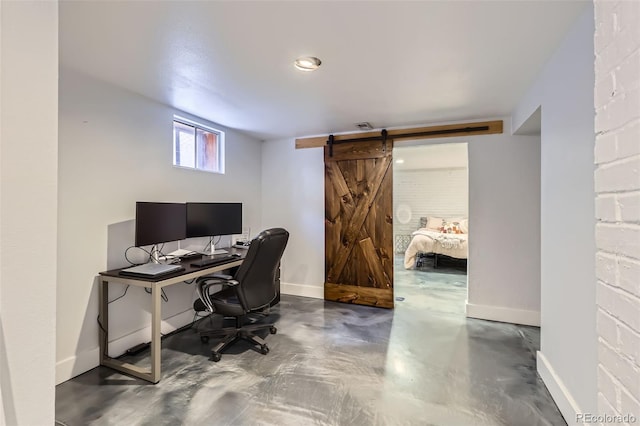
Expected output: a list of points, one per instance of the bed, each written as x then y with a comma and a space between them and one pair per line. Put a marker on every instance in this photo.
445, 236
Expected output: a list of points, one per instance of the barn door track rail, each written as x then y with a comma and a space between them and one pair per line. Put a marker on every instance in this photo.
449, 130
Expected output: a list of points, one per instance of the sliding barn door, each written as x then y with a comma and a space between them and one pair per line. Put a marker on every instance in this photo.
359, 223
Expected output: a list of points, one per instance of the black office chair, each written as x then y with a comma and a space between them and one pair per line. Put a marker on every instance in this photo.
251, 289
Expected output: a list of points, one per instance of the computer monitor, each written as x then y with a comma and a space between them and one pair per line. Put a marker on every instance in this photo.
213, 219
159, 223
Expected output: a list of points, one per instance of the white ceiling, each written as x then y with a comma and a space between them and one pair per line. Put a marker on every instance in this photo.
390, 63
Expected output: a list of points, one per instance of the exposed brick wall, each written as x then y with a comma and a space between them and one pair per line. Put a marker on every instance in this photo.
617, 186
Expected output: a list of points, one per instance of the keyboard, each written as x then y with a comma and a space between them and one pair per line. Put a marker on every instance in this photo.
216, 260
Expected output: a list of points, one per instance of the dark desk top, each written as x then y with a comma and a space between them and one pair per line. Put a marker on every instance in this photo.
186, 265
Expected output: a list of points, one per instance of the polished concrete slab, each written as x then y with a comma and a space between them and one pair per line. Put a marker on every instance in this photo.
422, 363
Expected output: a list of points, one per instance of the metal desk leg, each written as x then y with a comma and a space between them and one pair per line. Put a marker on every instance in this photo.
152, 375
103, 317
156, 338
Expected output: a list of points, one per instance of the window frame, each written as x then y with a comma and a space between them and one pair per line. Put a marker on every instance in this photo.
220, 144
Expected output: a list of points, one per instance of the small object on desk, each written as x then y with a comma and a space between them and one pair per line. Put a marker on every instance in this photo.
151, 270
181, 253
242, 245
190, 255
235, 254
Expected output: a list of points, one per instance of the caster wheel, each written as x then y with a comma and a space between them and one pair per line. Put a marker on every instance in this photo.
204, 339
215, 357
273, 330
264, 349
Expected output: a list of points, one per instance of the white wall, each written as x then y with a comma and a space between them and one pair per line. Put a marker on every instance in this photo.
293, 198
504, 228
435, 192
617, 184
28, 188
564, 89
116, 149
503, 211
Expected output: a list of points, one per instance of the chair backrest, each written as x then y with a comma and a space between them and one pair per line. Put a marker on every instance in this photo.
257, 273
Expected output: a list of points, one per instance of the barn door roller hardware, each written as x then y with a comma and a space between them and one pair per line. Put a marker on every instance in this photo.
410, 135
384, 140
330, 142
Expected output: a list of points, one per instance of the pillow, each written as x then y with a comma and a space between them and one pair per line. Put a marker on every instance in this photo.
423, 222
455, 219
455, 226
435, 223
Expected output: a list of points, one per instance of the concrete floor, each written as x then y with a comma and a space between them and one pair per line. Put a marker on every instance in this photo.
422, 363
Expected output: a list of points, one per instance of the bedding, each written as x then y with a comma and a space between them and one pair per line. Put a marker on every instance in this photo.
450, 239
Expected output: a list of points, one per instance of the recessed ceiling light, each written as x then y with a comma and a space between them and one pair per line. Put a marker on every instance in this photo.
307, 63
399, 161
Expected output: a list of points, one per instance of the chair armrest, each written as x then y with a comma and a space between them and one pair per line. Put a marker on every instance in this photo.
203, 293
221, 276
202, 287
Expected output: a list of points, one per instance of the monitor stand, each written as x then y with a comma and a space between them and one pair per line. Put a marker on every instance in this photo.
155, 254
213, 250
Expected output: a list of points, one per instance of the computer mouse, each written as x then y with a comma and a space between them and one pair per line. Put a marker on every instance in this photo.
235, 255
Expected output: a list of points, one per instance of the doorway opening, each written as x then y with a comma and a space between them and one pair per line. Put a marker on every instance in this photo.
431, 225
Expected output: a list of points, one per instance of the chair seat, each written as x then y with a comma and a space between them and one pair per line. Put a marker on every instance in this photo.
225, 303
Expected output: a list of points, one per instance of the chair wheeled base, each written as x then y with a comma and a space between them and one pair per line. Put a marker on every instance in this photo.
229, 336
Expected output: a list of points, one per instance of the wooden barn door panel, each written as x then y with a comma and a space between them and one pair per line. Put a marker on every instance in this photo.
358, 224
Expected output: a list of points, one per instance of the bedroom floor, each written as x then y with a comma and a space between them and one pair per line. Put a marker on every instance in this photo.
422, 363
443, 289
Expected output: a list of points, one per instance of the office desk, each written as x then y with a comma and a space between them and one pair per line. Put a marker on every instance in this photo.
155, 284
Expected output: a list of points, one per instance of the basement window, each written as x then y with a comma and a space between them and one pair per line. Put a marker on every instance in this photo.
196, 146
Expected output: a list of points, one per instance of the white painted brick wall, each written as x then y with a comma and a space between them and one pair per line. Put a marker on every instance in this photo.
433, 192
624, 371
629, 275
604, 406
619, 304
618, 238
629, 343
617, 201
607, 208
607, 326
608, 385
629, 205
619, 175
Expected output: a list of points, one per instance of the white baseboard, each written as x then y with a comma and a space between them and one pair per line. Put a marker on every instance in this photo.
304, 290
497, 313
76, 365
84, 361
566, 404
